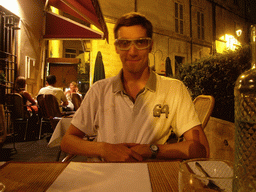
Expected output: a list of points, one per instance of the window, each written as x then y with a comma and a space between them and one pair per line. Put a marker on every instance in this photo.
8, 53
179, 18
200, 25
70, 53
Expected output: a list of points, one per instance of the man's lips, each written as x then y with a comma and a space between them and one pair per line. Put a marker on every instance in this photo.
133, 60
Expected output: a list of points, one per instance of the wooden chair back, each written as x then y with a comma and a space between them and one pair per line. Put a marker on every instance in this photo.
49, 109
41, 106
19, 113
204, 105
49, 106
52, 106
76, 100
14, 102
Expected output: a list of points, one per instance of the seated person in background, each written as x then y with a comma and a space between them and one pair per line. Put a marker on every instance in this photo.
20, 84
134, 113
51, 89
72, 89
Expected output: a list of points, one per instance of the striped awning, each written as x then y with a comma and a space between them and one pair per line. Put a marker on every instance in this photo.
61, 27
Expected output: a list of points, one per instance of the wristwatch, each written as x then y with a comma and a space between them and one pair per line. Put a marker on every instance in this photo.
154, 149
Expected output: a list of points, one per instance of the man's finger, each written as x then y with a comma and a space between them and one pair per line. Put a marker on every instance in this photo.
130, 145
137, 156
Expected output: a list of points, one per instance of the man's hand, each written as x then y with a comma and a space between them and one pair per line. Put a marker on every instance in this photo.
143, 150
120, 152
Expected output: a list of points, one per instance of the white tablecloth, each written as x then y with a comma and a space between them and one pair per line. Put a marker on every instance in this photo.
59, 131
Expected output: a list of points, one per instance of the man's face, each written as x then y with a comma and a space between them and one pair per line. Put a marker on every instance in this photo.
134, 60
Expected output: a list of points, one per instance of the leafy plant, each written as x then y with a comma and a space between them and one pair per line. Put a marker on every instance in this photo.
216, 76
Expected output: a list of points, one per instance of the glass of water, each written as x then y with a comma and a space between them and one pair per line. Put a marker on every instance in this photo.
209, 175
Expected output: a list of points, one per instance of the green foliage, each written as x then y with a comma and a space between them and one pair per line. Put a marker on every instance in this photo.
216, 76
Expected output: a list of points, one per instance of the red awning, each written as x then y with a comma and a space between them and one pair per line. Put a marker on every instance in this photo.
59, 27
86, 10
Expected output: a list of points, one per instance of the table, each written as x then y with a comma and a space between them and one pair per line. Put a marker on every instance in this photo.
59, 131
28, 176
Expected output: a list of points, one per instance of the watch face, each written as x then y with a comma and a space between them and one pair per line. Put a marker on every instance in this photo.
154, 147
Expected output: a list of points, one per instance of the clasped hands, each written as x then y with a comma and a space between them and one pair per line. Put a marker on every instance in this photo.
125, 152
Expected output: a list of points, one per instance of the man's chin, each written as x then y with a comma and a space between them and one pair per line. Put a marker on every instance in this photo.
135, 70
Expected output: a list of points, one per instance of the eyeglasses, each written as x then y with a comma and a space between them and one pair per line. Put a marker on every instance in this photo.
125, 44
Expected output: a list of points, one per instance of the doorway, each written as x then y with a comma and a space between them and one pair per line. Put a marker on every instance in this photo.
65, 70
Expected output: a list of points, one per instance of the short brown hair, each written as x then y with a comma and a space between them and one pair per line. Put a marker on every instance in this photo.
51, 79
131, 19
20, 83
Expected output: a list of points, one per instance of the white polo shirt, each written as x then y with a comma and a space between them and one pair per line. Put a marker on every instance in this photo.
57, 92
163, 105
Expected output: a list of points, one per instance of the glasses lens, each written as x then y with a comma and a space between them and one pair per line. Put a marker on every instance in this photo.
142, 43
124, 44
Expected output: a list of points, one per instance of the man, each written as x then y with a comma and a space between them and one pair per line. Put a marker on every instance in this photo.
134, 113
51, 89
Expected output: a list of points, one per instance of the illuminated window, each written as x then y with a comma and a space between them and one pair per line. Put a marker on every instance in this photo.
179, 18
200, 25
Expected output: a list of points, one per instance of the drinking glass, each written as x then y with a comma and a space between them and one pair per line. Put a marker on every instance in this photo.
206, 175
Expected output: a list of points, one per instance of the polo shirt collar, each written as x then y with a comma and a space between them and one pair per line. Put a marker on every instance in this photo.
118, 85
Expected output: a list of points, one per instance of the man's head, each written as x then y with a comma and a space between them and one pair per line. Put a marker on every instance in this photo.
131, 19
51, 79
133, 43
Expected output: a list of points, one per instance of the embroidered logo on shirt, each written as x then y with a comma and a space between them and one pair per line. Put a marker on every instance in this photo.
158, 109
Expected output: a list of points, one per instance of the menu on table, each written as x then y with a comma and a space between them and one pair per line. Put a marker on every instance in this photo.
97, 177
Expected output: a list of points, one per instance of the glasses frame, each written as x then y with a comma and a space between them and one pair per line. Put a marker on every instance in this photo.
132, 42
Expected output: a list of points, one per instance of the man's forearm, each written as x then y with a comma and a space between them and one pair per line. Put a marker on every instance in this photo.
182, 150
109, 152
75, 145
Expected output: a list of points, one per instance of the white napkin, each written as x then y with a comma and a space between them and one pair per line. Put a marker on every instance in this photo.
107, 177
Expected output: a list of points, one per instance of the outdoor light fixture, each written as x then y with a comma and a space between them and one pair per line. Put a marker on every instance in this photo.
227, 42
239, 32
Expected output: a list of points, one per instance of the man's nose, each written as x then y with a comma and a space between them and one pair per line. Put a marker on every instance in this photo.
133, 50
